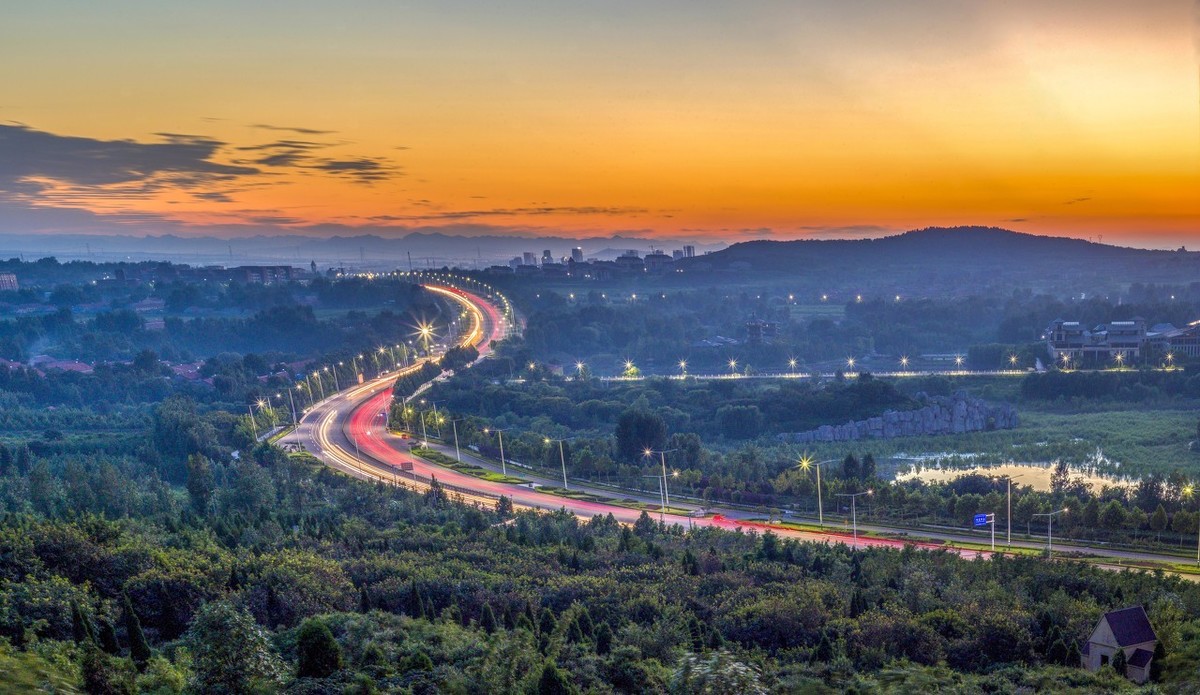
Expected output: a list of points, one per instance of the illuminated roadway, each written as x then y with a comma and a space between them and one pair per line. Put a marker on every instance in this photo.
348, 432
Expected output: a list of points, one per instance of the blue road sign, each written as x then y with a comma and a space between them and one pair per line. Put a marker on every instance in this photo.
981, 519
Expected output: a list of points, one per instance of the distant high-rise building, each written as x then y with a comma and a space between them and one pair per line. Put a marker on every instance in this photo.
689, 251
514, 262
546, 257
676, 254
577, 254
8, 282
529, 258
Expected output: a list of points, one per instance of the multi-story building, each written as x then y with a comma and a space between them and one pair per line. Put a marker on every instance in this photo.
528, 258
577, 254
1121, 341
760, 331
262, 274
1070, 341
630, 262
8, 282
658, 262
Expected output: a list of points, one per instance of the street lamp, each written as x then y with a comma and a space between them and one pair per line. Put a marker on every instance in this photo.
1009, 478
1012, 360
806, 462
562, 457
904, 362
792, 366
663, 458
683, 367
1187, 492
253, 424
336, 385
958, 361
263, 403
425, 331
733, 367
1050, 529
290, 400
850, 362
457, 452
853, 510
500, 433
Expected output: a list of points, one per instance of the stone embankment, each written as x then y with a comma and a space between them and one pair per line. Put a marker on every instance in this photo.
941, 415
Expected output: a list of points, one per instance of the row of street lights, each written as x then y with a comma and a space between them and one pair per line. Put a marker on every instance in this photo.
851, 363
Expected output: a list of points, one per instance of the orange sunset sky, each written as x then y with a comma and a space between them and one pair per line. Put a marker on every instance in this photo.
687, 119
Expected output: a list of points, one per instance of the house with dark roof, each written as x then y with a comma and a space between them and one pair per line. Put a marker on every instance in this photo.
1128, 630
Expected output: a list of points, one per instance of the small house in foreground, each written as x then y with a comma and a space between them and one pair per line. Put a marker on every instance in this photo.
1128, 630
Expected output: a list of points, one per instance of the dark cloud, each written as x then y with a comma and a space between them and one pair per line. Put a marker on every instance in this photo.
358, 169
28, 155
214, 196
299, 145
299, 154
288, 129
1073, 201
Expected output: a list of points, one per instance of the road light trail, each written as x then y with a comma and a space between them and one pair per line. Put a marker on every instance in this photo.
353, 418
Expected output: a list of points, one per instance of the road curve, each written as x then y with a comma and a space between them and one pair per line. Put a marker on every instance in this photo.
348, 431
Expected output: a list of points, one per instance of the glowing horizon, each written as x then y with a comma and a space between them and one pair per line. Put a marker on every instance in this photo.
707, 120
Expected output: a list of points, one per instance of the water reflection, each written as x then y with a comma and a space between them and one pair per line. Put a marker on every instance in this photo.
933, 469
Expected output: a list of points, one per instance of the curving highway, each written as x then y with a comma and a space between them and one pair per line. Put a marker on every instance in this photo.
348, 432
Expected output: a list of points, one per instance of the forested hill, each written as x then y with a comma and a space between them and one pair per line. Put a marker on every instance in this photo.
937, 253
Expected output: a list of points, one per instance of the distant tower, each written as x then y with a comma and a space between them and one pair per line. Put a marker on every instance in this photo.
689, 251
577, 254
314, 267
546, 257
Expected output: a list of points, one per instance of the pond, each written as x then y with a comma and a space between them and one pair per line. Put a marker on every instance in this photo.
937, 468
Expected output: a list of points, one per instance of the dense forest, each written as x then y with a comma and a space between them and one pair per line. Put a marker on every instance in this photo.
269, 573
150, 543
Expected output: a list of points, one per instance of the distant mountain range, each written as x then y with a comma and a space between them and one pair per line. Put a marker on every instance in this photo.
957, 257
371, 252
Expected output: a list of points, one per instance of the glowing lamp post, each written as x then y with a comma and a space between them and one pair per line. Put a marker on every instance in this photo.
663, 459
853, 508
1050, 529
805, 463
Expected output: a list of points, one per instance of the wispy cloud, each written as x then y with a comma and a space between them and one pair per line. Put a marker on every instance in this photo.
510, 212
358, 169
290, 129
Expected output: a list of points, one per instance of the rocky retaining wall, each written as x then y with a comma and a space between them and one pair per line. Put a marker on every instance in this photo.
954, 415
